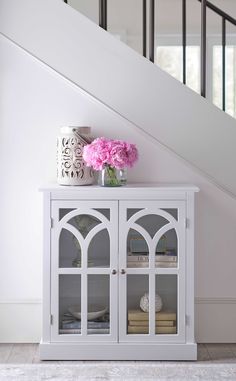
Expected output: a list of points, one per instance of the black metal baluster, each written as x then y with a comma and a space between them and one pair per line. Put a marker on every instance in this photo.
203, 48
103, 14
144, 28
223, 63
100, 13
152, 30
184, 38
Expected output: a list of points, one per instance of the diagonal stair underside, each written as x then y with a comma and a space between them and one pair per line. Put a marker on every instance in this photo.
125, 82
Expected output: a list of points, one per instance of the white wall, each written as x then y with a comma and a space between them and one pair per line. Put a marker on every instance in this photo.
107, 69
35, 102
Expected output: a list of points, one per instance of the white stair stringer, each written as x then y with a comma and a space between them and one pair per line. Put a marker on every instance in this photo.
125, 82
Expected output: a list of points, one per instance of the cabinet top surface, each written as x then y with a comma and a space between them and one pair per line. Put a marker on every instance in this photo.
139, 187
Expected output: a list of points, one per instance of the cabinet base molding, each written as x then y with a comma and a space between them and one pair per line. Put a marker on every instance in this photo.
127, 351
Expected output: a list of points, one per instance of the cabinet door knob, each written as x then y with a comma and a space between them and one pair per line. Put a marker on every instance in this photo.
114, 272
122, 271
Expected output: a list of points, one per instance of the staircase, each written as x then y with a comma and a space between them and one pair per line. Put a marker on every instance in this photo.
149, 9
128, 84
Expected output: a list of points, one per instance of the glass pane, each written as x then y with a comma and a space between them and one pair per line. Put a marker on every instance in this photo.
89, 8
137, 304
70, 247
69, 250
99, 250
152, 223
84, 223
63, 212
69, 304
98, 304
137, 250
104, 212
173, 212
131, 212
167, 250
166, 318
124, 21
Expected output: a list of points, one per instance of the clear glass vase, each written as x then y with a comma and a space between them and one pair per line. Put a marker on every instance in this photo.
112, 177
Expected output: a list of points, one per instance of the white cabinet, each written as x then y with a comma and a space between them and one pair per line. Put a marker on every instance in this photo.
104, 250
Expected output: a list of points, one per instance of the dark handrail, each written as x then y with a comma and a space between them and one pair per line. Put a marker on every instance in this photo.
219, 11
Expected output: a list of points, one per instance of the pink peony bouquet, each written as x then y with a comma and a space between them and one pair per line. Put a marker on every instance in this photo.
104, 152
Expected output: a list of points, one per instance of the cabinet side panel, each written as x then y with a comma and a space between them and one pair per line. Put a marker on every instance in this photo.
190, 268
46, 266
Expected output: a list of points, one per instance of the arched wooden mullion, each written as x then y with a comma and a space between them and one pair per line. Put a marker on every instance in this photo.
147, 211
162, 231
82, 211
144, 234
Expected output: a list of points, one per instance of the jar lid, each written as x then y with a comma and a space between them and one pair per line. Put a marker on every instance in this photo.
70, 129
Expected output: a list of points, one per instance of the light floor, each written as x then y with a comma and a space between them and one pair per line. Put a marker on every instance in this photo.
29, 354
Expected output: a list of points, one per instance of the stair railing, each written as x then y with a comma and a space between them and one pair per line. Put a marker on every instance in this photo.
225, 17
205, 4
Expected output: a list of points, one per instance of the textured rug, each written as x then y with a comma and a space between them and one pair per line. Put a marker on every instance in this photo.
98, 371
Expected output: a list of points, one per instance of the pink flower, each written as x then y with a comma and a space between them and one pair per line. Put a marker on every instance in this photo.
115, 153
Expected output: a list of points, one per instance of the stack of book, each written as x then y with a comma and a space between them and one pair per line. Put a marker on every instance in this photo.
142, 260
138, 322
70, 325
139, 257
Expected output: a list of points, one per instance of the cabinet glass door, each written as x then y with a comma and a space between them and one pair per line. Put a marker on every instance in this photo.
152, 276
84, 270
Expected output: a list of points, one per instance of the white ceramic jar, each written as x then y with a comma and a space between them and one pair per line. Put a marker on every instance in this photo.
71, 168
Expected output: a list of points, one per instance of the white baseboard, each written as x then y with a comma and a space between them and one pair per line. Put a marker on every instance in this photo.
20, 321
214, 320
